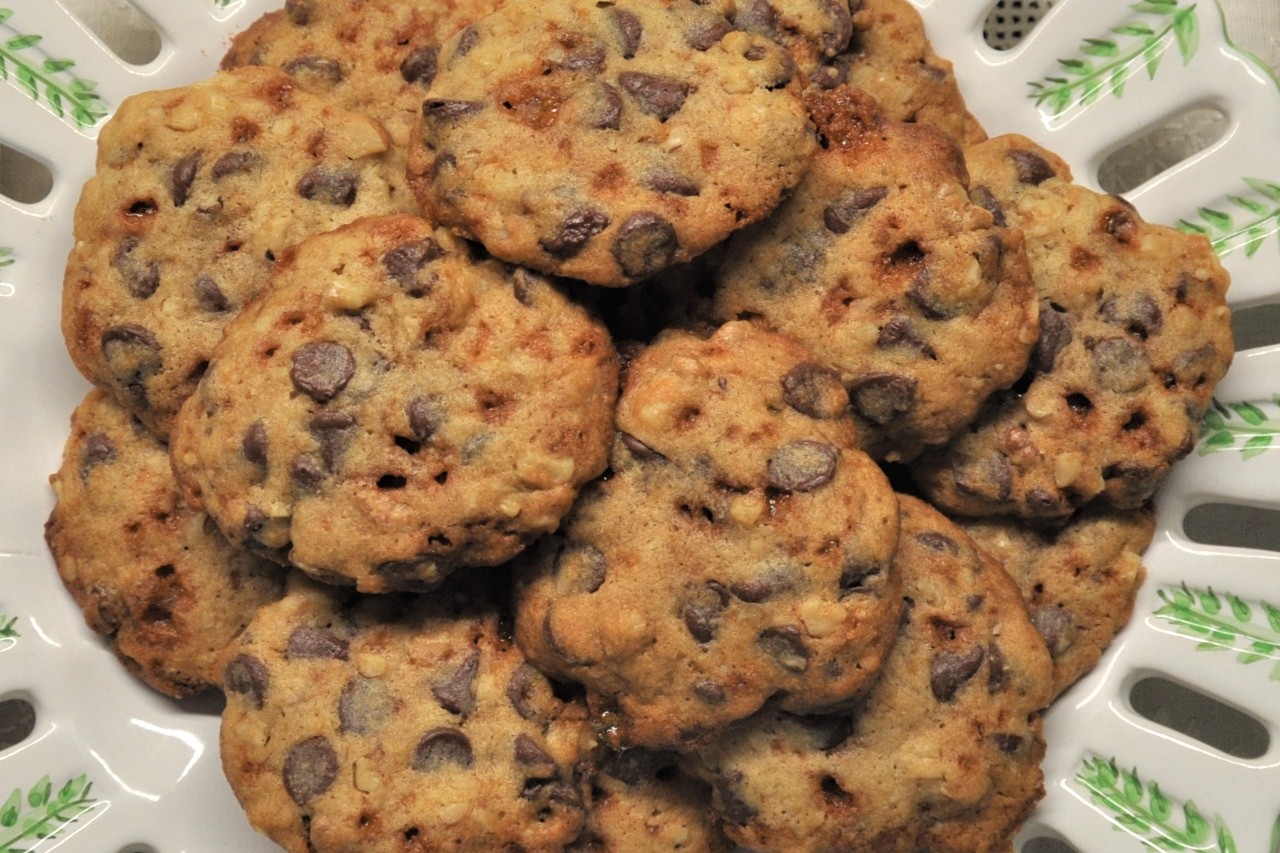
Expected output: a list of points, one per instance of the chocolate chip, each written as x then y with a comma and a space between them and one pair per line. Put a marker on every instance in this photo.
629, 30
426, 416
767, 582
441, 110
900, 331
309, 769
247, 676
365, 706
729, 800
586, 57
1121, 224
605, 111
307, 642
308, 471
984, 198
1042, 502
656, 94
524, 690
1120, 364
883, 397
1190, 368
1056, 627
1031, 167
98, 449
1138, 313
441, 748
133, 355
758, 16
859, 578
997, 669
710, 692
316, 68
1131, 483
702, 612
924, 296
645, 243
233, 163
141, 279
528, 752
1055, 334
802, 466
639, 449
332, 186
574, 231
785, 646
421, 65
456, 691
405, 263
332, 431
253, 446
548, 794
298, 11
321, 369
950, 670
580, 569
706, 34
836, 37
850, 206
814, 390
467, 39
672, 183
184, 174
210, 296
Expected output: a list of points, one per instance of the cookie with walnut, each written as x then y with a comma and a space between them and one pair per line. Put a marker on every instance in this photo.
153, 575
738, 550
197, 191
607, 141
395, 408
1135, 334
944, 752
1079, 579
884, 268
398, 723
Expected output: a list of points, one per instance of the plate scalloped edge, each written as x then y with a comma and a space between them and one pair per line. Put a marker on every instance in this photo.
108, 759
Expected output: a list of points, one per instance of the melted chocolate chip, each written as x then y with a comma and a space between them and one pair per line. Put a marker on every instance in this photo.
98, 449
950, 670
309, 769
629, 30
984, 198
729, 800
574, 231
1056, 627
672, 183
437, 109
184, 174
529, 753
814, 390
802, 466
365, 706
254, 444
1138, 313
524, 689
586, 57
639, 449
645, 243
1120, 364
441, 748
580, 569
456, 692
315, 643
785, 646
321, 369
850, 206
247, 676
710, 692
233, 163
758, 16
605, 111
1055, 334
210, 296
421, 65
706, 34
331, 186
141, 278
316, 68
1031, 167
656, 95
298, 11
701, 614
883, 397
467, 39
405, 264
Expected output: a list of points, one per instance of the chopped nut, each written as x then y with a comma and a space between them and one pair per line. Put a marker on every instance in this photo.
821, 618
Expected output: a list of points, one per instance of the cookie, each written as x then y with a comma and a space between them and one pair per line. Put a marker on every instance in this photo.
1079, 580
738, 550
398, 723
394, 408
881, 264
944, 752
153, 576
607, 141
812, 31
197, 190
1135, 333
375, 57
890, 57
643, 800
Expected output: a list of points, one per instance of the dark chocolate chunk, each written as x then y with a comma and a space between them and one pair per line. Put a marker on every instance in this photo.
702, 612
247, 676
309, 769
802, 466
656, 95
629, 30
529, 753
365, 706
1032, 168
332, 186
440, 748
254, 444
321, 369
574, 231
315, 69
883, 397
950, 670
184, 174
814, 390
850, 206
307, 642
442, 110
645, 243
421, 65
456, 692
785, 645
580, 568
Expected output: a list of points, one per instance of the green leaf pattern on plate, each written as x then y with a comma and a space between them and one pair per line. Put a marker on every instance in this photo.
1254, 219
8, 627
1225, 622
6, 257
68, 96
1148, 813
41, 813
1104, 64
1238, 426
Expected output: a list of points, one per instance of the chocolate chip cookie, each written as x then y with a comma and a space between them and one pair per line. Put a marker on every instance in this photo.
153, 576
1079, 580
607, 141
738, 550
942, 755
395, 407
398, 723
1135, 333
881, 264
197, 191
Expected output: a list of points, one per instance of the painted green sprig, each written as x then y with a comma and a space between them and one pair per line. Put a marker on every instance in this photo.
8, 627
1254, 219
1104, 64
68, 96
1146, 812
41, 812
1243, 426
1225, 622
6, 256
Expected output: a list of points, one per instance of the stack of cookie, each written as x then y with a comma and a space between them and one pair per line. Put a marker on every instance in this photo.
629, 425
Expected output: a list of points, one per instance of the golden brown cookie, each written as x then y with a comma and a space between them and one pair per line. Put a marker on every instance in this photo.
395, 408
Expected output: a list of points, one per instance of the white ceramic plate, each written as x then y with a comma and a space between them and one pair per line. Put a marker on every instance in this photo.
111, 766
